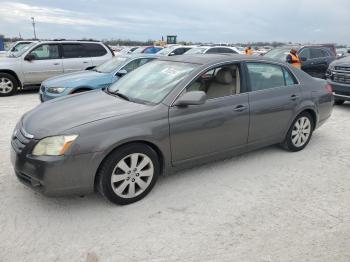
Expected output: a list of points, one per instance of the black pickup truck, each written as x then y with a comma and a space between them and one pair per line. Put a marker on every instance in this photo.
338, 75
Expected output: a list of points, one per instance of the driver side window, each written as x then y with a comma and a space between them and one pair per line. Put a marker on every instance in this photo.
218, 82
305, 53
46, 51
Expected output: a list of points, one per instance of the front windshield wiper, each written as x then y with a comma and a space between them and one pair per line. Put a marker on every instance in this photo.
116, 92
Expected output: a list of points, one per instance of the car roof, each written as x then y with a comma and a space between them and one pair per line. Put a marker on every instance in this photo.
203, 59
134, 56
70, 41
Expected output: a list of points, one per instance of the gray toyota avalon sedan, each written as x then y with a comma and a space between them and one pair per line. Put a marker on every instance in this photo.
169, 114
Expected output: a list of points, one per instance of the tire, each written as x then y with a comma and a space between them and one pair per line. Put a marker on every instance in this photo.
8, 85
300, 133
128, 174
339, 102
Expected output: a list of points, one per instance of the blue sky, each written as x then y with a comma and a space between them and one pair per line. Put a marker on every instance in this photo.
192, 20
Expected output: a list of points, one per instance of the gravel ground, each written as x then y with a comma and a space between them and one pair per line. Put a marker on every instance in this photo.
268, 205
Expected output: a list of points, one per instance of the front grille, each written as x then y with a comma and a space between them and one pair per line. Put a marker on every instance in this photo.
342, 68
341, 78
19, 141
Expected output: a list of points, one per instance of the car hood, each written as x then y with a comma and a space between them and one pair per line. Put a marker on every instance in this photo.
342, 62
57, 116
72, 79
5, 60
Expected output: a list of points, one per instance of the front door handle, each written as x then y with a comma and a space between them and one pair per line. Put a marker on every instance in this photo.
56, 63
294, 97
240, 108
85, 62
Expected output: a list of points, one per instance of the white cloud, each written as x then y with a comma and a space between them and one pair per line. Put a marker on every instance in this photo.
19, 12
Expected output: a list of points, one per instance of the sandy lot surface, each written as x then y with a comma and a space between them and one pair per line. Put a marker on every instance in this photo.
268, 205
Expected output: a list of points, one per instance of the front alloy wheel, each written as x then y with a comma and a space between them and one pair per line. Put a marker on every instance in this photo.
132, 175
128, 174
8, 85
299, 133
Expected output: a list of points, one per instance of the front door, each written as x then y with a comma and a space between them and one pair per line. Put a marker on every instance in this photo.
219, 125
46, 63
274, 94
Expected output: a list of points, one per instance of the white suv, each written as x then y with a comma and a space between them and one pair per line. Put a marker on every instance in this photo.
42, 60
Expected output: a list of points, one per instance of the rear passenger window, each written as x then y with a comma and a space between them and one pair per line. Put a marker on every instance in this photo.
264, 76
289, 79
73, 50
213, 51
226, 50
94, 50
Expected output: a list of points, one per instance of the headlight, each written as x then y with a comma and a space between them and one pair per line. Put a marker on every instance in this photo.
55, 90
54, 146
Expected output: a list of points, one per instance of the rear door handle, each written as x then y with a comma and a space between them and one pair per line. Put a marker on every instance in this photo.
240, 108
56, 63
294, 97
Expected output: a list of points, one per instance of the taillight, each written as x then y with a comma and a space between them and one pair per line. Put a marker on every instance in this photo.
329, 88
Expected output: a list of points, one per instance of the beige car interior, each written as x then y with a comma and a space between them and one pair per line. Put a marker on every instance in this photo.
218, 82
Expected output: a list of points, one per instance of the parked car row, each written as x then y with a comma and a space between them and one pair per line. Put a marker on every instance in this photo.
41, 60
28, 64
99, 77
171, 113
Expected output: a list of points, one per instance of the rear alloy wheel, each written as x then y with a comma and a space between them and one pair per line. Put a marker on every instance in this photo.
300, 133
339, 102
8, 85
129, 174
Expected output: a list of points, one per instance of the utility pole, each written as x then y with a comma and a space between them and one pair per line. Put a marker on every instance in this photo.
33, 23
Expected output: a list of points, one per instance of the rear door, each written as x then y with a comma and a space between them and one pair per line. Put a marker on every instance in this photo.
74, 57
97, 52
273, 96
47, 63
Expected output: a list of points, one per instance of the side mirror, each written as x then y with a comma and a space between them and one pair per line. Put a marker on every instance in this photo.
172, 53
29, 57
121, 73
304, 59
191, 98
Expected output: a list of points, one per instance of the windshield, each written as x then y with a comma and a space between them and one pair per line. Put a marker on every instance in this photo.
152, 82
166, 51
278, 54
18, 46
139, 50
110, 65
196, 50
23, 50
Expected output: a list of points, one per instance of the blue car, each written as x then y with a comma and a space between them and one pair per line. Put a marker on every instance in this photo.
100, 77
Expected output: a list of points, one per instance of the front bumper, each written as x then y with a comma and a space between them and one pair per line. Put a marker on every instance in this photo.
56, 175
341, 91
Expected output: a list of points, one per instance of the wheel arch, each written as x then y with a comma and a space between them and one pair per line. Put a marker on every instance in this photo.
81, 89
158, 151
313, 115
13, 73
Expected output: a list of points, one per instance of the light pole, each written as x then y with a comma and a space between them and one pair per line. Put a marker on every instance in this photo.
33, 23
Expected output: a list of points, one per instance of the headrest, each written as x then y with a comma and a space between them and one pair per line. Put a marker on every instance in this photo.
224, 76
